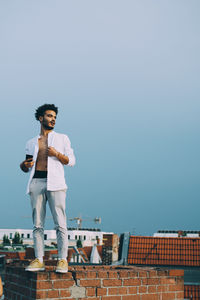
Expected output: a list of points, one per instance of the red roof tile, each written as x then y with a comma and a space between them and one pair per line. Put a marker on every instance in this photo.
13, 254
88, 251
164, 251
192, 292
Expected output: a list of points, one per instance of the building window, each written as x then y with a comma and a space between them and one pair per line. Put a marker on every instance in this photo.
45, 237
75, 237
22, 235
79, 237
84, 237
10, 235
28, 235
68, 237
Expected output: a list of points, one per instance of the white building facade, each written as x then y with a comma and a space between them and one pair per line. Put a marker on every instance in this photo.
88, 237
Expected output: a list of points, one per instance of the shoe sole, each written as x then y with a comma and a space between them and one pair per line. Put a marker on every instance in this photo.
35, 269
61, 271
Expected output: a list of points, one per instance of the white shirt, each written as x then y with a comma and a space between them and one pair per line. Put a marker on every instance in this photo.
55, 174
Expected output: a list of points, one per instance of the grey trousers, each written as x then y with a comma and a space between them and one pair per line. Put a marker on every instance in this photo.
56, 200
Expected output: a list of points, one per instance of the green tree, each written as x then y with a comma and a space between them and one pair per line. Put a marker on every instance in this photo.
17, 239
6, 240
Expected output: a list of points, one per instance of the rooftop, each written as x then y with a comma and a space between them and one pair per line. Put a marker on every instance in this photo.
164, 251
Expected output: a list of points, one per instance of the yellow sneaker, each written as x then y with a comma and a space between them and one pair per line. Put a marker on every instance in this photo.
35, 265
62, 266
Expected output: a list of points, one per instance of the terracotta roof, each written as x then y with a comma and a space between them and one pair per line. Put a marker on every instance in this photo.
192, 292
164, 251
83, 252
100, 250
88, 251
13, 254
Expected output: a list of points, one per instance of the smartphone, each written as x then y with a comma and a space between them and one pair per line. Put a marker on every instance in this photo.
29, 157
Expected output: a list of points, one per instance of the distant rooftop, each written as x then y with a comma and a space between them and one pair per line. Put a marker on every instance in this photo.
171, 251
177, 231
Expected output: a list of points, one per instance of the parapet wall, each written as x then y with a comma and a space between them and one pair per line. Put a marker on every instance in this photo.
94, 283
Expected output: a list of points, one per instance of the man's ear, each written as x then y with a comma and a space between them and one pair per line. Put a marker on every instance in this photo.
40, 118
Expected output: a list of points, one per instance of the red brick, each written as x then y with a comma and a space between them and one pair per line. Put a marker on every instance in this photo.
112, 282
168, 296
40, 295
54, 275
91, 274
176, 272
176, 287
90, 282
132, 290
167, 280
91, 292
101, 291
151, 297
131, 297
122, 290
103, 274
111, 298
180, 280
133, 274
113, 291
65, 293
44, 285
88, 298
112, 274
151, 281
80, 274
52, 294
42, 276
143, 274
152, 289
162, 288
142, 289
60, 284
132, 281
180, 295
49, 268
153, 274
123, 274
162, 272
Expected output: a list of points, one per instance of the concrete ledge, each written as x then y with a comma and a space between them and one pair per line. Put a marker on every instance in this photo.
94, 283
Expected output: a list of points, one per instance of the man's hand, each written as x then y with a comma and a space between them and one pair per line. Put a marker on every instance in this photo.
61, 157
27, 164
52, 151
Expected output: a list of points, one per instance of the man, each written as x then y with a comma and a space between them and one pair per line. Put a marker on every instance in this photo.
46, 154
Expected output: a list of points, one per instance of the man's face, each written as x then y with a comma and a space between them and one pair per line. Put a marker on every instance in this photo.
48, 121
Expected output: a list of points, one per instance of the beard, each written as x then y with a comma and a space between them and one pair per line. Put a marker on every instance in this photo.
47, 127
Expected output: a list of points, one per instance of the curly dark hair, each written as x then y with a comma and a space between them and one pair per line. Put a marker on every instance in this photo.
41, 110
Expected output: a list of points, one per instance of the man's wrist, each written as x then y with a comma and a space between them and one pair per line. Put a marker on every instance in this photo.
57, 154
62, 158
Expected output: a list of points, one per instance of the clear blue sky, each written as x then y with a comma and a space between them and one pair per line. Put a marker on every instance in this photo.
125, 76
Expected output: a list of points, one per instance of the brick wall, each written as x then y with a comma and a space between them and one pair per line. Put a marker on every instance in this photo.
94, 283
